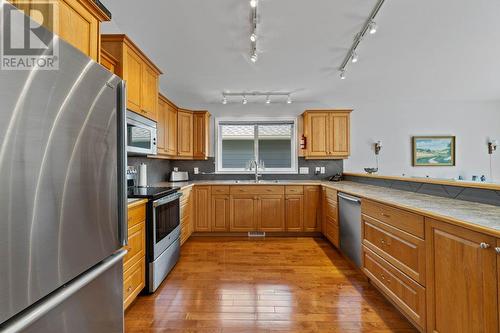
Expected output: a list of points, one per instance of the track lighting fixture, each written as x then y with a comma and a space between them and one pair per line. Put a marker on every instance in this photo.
254, 57
369, 27
268, 94
354, 57
253, 35
253, 3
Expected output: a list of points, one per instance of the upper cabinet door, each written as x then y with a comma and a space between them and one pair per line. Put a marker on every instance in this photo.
185, 133
317, 133
171, 130
133, 78
462, 280
339, 134
108, 61
149, 92
160, 126
200, 134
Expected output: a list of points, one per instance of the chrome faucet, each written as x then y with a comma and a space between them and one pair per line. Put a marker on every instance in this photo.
253, 164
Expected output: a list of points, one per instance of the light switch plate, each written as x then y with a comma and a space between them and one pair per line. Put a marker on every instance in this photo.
196, 171
304, 170
318, 169
323, 170
176, 169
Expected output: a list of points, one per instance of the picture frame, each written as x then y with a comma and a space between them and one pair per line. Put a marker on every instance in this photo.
434, 150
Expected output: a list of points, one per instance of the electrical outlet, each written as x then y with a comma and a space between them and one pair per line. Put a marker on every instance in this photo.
196, 171
304, 170
323, 170
318, 169
176, 169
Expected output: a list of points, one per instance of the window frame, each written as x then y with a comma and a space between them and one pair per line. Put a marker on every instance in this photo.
255, 121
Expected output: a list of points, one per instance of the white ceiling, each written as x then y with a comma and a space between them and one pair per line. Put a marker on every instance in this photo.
424, 49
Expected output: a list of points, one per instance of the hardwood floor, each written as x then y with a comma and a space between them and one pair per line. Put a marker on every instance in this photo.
274, 284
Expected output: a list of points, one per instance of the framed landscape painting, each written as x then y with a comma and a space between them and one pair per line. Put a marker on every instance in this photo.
433, 151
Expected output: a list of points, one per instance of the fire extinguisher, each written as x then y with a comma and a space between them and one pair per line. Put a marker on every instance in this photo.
303, 142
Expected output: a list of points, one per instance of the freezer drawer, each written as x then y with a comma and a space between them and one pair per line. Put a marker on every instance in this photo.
93, 302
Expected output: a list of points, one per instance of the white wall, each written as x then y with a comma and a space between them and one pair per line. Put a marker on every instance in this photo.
395, 123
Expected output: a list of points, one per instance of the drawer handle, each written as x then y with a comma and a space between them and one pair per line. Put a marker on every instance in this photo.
384, 242
386, 215
484, 245
129, 289
384, 279
497, 250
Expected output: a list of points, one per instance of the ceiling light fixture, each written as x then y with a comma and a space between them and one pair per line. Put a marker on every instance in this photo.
268, 94
354, 57
369, 27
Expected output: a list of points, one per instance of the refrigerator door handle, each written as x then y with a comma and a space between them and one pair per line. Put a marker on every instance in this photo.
122, 162
24, 320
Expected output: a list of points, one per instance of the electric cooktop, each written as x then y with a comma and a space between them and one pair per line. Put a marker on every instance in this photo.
150, 192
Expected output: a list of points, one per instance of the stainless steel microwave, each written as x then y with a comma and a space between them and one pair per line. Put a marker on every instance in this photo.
141, 135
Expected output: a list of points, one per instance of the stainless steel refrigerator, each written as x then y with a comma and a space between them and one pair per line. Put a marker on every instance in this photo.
62, 197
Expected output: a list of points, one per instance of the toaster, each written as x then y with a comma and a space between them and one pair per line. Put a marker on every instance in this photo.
179, 176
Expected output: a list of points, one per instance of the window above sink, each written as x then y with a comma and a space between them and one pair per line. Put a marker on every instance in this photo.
272, 142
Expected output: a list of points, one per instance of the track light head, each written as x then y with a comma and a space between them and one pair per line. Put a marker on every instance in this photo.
245, 100
268, 100
253, 37
253, 3
342, 74
289, 100
354, 57
224, 100
254, 57
372, 28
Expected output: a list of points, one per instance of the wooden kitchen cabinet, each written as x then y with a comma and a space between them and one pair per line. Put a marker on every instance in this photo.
202, 204
327, 133
171, 130
294, 212
140, 73
220, 212
330, 221
134, 262
244, 212
161, 124
75, 21
312, 208
108, 61
184, 133
462, 280
186, 214
201, 129
271, 216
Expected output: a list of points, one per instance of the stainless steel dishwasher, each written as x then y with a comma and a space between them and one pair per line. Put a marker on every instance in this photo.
350, 227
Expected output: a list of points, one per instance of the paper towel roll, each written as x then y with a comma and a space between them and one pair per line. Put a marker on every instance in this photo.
143, 175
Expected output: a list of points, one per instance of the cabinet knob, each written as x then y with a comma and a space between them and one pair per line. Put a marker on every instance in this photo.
484, 245
497, 250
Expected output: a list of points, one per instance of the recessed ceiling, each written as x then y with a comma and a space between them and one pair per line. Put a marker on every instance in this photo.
423, 50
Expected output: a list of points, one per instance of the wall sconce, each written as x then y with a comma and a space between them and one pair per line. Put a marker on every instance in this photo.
492, 146
378, 147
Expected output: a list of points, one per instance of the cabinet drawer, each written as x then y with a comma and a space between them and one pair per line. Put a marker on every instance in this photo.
294, 189
186, 195
332, 231
136, 246
331, 209
136, 215
220, 189
133, 282
257, 189
408, 295
402, 250
185, 209
401, 219
331, 194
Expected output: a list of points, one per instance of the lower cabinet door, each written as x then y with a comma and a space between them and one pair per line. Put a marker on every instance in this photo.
134, 280
220, 212
271, 212
202, 209
243, 213
294, 213
312, 211
461, 280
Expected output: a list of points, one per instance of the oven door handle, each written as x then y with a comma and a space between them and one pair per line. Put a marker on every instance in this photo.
167, 199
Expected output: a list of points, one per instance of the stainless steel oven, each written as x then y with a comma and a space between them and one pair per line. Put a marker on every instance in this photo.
141, 135
164, 238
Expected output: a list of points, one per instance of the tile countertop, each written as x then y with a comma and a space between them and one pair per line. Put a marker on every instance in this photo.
477, 216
